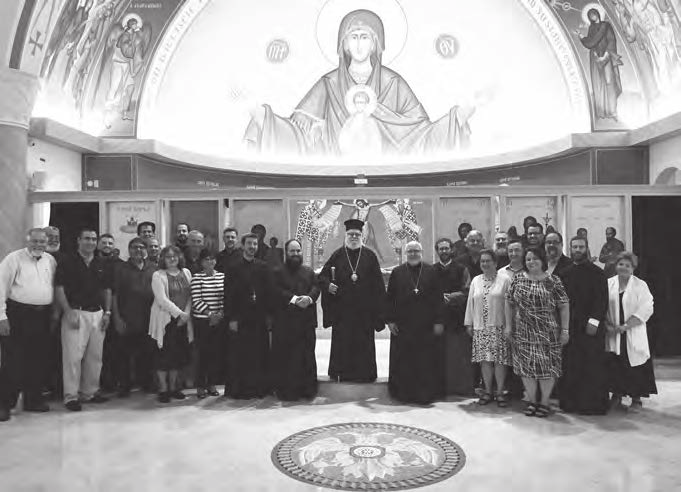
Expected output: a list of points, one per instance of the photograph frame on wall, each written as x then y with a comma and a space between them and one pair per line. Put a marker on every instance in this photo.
122, 219
391, 224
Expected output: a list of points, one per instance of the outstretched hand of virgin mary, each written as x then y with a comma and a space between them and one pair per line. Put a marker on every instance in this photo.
319, 124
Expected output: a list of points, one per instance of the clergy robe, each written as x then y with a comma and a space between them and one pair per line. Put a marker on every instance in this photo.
414, 351
248, 300
583, 388
456, 366
354, 312
294, 369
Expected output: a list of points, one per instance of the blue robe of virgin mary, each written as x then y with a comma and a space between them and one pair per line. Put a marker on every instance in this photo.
403, 122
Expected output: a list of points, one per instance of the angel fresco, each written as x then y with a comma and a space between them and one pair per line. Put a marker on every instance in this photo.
121, 68
361, 99
648, 28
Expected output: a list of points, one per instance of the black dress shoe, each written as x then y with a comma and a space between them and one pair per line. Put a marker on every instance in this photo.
38, 407
178, 395
74, 406
4, 414
164, 397
213, 392
97, 399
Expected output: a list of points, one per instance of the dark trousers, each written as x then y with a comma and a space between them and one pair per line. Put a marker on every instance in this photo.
108, 378
211, 341
134, 360
24, 354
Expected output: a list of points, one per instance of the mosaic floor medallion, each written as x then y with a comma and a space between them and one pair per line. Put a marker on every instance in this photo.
368, 456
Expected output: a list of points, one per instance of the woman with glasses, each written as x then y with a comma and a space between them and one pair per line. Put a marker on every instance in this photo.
170, 322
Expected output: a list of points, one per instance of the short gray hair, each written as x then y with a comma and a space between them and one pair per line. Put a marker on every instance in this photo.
629, 256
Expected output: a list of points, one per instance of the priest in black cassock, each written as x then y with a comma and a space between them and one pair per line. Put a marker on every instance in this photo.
456, 368
414, 307
294, 368
583, 387
248, 306
353, 296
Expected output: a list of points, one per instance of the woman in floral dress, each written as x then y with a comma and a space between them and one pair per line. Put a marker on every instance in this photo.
485, 323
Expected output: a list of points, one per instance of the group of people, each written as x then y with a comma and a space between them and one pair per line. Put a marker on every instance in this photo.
521, 311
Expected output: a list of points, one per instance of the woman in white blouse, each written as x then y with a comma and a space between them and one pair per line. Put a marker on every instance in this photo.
630, 305
485, 323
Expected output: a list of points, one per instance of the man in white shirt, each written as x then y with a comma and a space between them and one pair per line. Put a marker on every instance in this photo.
26, 293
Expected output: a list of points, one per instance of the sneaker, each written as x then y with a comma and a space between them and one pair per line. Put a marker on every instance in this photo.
74, 406
98, 398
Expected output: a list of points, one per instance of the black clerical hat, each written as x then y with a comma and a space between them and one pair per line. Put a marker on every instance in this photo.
353, 224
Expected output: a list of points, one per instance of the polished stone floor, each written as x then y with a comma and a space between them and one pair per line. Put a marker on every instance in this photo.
224, 445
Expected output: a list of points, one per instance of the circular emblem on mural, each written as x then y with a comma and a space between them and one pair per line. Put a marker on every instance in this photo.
368, 456
446, 46
277, 50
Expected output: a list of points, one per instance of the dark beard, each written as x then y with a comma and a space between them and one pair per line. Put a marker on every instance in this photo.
294, 262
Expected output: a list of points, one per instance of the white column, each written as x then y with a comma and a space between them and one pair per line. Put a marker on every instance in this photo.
19, 90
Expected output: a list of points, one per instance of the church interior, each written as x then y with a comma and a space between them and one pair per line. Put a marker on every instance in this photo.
232, 113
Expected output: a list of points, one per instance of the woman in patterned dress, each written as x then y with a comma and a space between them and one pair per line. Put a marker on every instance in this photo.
537, 320
485, 323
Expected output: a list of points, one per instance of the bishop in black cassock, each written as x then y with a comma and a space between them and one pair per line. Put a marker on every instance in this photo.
353, 296
248, 306
294, 368
583, 388
414, 308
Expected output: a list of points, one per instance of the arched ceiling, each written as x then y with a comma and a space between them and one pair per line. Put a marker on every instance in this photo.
484, 78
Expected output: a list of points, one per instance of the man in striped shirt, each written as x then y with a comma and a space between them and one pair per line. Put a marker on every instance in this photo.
207, 310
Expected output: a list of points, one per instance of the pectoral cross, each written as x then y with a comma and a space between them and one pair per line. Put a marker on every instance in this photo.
416, 291
253, 297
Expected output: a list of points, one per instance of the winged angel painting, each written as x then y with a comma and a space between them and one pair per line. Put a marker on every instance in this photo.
372, 455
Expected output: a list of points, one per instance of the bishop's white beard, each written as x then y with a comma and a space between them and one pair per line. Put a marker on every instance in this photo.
352, 246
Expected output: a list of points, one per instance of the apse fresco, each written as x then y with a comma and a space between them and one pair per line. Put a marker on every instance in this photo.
354, 84
372, 81
390, 224
631, 52
94, 62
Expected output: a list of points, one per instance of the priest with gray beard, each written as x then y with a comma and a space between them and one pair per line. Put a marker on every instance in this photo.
294, 368
353, 296
415, 312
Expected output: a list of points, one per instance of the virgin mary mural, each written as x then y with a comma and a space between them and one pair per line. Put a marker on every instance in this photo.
360, 107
